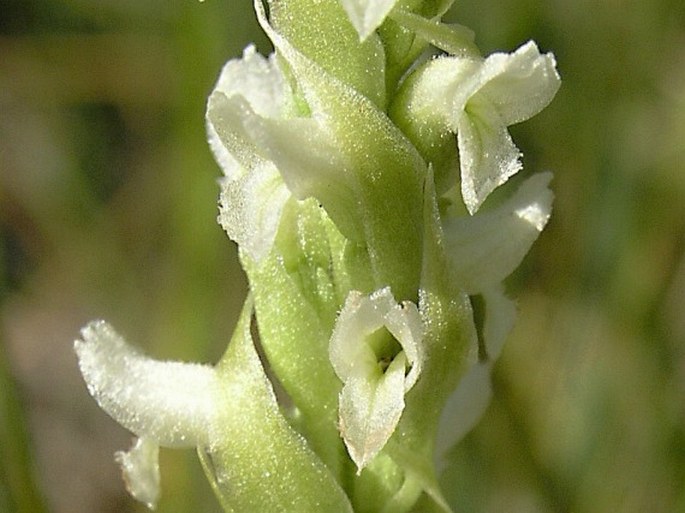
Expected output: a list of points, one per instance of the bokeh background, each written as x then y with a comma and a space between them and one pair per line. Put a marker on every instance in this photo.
108, 206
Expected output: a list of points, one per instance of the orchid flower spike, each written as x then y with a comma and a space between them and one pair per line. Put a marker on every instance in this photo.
366, 237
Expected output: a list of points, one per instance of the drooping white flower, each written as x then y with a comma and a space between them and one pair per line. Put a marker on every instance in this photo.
269, 155
478, 99
163, 403
483, 250
252, 191
228, 411
376, 352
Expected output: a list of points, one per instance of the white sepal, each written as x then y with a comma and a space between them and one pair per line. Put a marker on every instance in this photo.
140, 470
250, 208
485, 248
259, 85
372, 398
452, 38
519, 84
304, 150
169, 402
259, 80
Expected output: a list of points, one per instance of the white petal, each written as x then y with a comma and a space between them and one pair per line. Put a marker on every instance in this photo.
347, 349
519, 84
140, 469
487, 155
170, 402
367, 15
305, 152
250, 208
260, 84
486, 248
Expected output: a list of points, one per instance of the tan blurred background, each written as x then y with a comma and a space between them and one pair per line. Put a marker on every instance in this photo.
108, 206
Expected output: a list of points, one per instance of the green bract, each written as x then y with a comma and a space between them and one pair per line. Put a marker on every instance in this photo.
344, 155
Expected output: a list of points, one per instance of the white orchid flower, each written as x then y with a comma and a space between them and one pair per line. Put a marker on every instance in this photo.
253, 193
376, 352
163, 403
478, 99
228, 412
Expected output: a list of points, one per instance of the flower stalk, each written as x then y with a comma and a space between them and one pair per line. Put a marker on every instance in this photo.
365, 232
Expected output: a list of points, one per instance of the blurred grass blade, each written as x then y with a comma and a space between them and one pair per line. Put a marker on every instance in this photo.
19, 492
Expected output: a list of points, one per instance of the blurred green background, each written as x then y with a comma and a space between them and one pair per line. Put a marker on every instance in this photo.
108, 205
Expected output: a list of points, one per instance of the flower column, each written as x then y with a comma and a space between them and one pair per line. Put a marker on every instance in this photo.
360, 227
